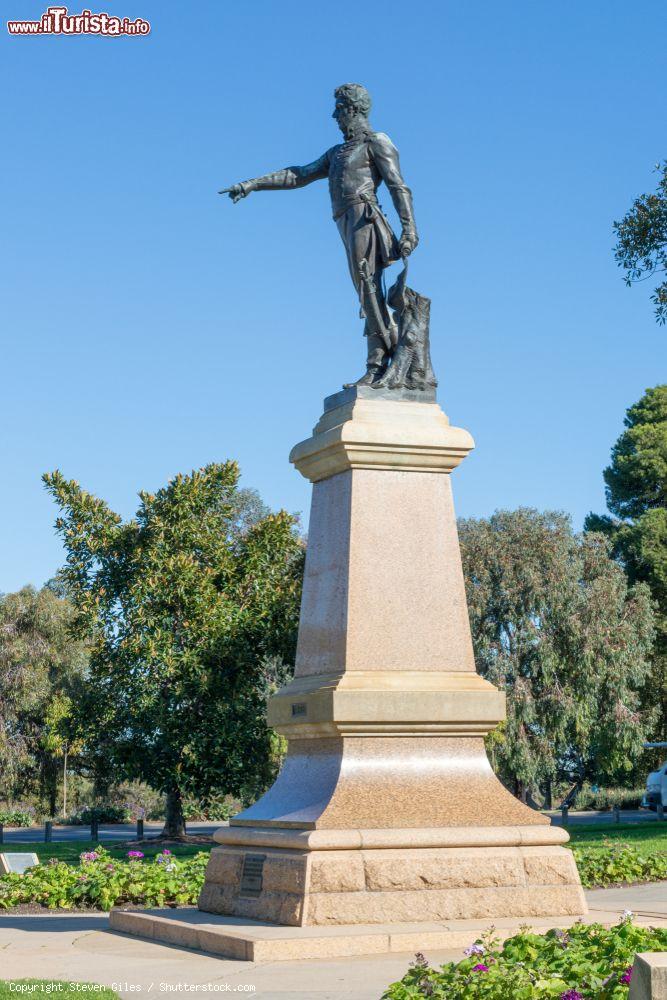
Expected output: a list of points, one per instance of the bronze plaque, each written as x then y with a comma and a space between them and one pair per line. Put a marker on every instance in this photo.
251, 876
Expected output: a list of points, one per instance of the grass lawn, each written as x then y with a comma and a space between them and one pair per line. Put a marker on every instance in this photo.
57, 987
69, 851
648, 838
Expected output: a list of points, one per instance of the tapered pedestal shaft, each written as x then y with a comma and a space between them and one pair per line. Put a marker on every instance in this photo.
386, 807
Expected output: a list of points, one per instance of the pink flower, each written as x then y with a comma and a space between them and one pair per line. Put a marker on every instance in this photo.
134, 855
166, 851
627, 976
89, 856
571, 995
480, 968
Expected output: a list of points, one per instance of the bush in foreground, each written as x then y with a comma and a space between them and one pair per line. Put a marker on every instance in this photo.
101, 882
617, 863
588, 962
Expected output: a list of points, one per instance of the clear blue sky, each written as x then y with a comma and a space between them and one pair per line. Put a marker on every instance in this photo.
149, 326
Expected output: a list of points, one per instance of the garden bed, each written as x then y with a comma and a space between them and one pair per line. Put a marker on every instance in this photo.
618, 863
101, 881
588, 962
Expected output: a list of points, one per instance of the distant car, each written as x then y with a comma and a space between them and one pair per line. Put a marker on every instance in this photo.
656, 788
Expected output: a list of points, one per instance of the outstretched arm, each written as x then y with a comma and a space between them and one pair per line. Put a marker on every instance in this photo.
290, 177
386, 159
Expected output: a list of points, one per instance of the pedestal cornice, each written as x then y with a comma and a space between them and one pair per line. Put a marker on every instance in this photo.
382, 434
391, 703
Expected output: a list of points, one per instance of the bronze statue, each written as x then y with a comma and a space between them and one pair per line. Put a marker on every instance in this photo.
398, 353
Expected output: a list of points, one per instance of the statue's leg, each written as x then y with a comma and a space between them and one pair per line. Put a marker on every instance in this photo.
359, 239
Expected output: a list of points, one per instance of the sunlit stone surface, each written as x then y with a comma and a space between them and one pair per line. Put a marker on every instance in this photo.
386, 808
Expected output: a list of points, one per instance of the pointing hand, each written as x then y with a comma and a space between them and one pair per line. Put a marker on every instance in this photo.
236, 192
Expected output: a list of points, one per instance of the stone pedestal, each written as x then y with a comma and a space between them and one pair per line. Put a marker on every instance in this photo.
386, 808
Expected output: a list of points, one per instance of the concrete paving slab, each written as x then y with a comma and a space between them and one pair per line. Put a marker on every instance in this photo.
650, 900
80, 948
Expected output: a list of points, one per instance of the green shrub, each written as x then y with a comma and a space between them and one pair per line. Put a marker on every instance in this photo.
214, 809
608, 798
618, 862
101, 882
104, 814
17, 817
589, 962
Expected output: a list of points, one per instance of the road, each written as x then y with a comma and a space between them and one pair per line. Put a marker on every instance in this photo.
128, 831
107, 831
583, 818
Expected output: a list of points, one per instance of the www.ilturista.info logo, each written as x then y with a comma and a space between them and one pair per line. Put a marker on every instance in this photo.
57, 21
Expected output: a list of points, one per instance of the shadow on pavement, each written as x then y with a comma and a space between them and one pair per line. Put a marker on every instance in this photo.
53, 924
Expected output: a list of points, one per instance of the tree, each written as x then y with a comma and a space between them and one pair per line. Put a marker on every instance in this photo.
555, 625
191, 610
636, 491
41, 667
642, 241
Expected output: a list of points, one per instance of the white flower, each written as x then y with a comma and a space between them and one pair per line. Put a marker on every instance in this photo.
474, 949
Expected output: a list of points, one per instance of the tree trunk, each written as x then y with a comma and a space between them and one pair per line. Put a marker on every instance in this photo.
65, 784
52, 779
174, 821
548, 794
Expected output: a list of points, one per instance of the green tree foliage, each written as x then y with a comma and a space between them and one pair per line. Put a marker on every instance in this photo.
636, 489
41, 673
641, 249
556, 627
191, 609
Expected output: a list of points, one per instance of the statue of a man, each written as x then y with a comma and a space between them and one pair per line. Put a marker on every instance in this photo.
356, 168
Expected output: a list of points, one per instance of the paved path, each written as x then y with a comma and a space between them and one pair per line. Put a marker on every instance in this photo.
80, 948
585, 818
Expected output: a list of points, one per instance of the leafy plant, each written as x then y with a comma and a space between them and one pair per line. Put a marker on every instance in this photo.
617, 862
103, 814
42, 670
636, 491
213, 808
100, 882
608, 798
589, 962
17, 817
191, 610
642, 241
545, 604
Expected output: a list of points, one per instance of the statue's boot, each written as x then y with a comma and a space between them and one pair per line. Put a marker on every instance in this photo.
376, 360
371, 375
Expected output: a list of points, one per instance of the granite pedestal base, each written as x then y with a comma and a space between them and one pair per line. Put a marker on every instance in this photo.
386, 808
387, 876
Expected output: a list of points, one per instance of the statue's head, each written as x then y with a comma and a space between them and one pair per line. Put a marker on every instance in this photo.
352, 102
